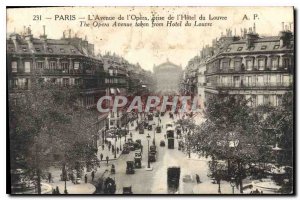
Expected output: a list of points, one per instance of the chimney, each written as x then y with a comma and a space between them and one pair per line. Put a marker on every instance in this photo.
64, 36
15, 38
28, 37
254, 28
69, 33
44, 37
251, 37
285, 38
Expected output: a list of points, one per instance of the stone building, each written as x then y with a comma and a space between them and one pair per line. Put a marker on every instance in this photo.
168, 77
65, 62
259, 68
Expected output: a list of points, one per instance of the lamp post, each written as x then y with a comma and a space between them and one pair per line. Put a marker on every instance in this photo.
232, 184
115, 146
120, 140
148, 139
154, 133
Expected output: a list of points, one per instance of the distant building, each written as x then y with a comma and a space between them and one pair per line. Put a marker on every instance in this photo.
167, 77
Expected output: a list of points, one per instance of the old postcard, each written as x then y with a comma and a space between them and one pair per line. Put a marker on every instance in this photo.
150, 100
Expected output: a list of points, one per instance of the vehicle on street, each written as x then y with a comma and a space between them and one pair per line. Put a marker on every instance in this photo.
152, 156
158, 129
141, 131
130, 167
157, 114
127, 190
131, 146
170, 137
153, 148
162, 114
126, 149
138, 153
169, 125
113, 169
146, 125
138, 162
149, 127
138, 141
173, 177
162, 143
129, 140
150, 117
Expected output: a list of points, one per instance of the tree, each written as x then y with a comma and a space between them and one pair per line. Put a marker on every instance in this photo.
45, 121
232, 132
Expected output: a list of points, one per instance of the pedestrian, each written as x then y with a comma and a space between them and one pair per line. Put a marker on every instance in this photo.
130, 134
113, 148
198, 179
108, 147
57, 190
93, 175
107, 160
102, 147
49, 177
85, 178
101, 156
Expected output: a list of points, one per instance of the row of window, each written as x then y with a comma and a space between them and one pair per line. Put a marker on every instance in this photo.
261, 63
25, 82
53, 65
115, 80
260, 80
263, 47
264, 99
38, 49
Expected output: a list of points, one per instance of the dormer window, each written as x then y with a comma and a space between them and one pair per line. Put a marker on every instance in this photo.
276, 47
62, 50
24, 49
263, 47
73, 50
228, 49
251, 48
50, 50
38, 49
240, 49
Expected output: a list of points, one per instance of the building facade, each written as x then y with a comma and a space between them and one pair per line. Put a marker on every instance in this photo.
64, 62
168, 77
259, 68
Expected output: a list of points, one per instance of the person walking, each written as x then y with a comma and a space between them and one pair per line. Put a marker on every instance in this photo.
107, 160
117, 150
198, 179
108, 147
102, 147
93, 175
49, 177
85, 178
101, 156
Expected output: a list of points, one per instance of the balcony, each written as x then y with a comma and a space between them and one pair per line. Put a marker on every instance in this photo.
239, 70
238, 86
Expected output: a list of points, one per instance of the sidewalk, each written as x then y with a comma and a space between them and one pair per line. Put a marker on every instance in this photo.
108, 152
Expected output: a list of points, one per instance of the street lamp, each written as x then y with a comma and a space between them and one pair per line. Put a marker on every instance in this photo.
120, 139
148, 139
115, 145
154, 133
232, 184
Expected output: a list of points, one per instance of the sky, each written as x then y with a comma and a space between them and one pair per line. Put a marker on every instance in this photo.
150, 46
